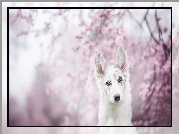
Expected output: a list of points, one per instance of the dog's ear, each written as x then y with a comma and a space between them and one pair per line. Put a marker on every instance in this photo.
100, 65
121, 61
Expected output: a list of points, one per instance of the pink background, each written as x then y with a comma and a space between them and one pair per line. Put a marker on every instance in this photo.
51, 65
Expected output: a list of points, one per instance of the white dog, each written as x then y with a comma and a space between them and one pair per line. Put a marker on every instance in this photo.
115, 95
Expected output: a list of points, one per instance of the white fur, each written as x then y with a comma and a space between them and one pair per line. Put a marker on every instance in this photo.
111, 112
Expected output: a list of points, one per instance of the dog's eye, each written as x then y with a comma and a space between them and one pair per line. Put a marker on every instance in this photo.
119, 79
108, 83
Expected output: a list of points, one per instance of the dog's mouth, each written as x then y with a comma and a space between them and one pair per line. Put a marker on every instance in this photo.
115, 102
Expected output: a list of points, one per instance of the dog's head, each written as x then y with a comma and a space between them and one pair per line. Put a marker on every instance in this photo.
113, 78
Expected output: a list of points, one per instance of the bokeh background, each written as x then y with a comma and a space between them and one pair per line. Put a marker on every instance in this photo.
51, 64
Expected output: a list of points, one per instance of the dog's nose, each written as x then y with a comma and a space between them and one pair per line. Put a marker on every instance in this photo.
117, 97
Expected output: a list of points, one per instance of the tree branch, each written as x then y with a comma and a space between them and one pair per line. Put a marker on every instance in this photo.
145, 19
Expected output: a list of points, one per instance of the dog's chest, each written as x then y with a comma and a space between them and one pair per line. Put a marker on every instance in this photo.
114, 116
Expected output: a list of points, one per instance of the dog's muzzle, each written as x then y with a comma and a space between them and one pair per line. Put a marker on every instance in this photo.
117, 97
